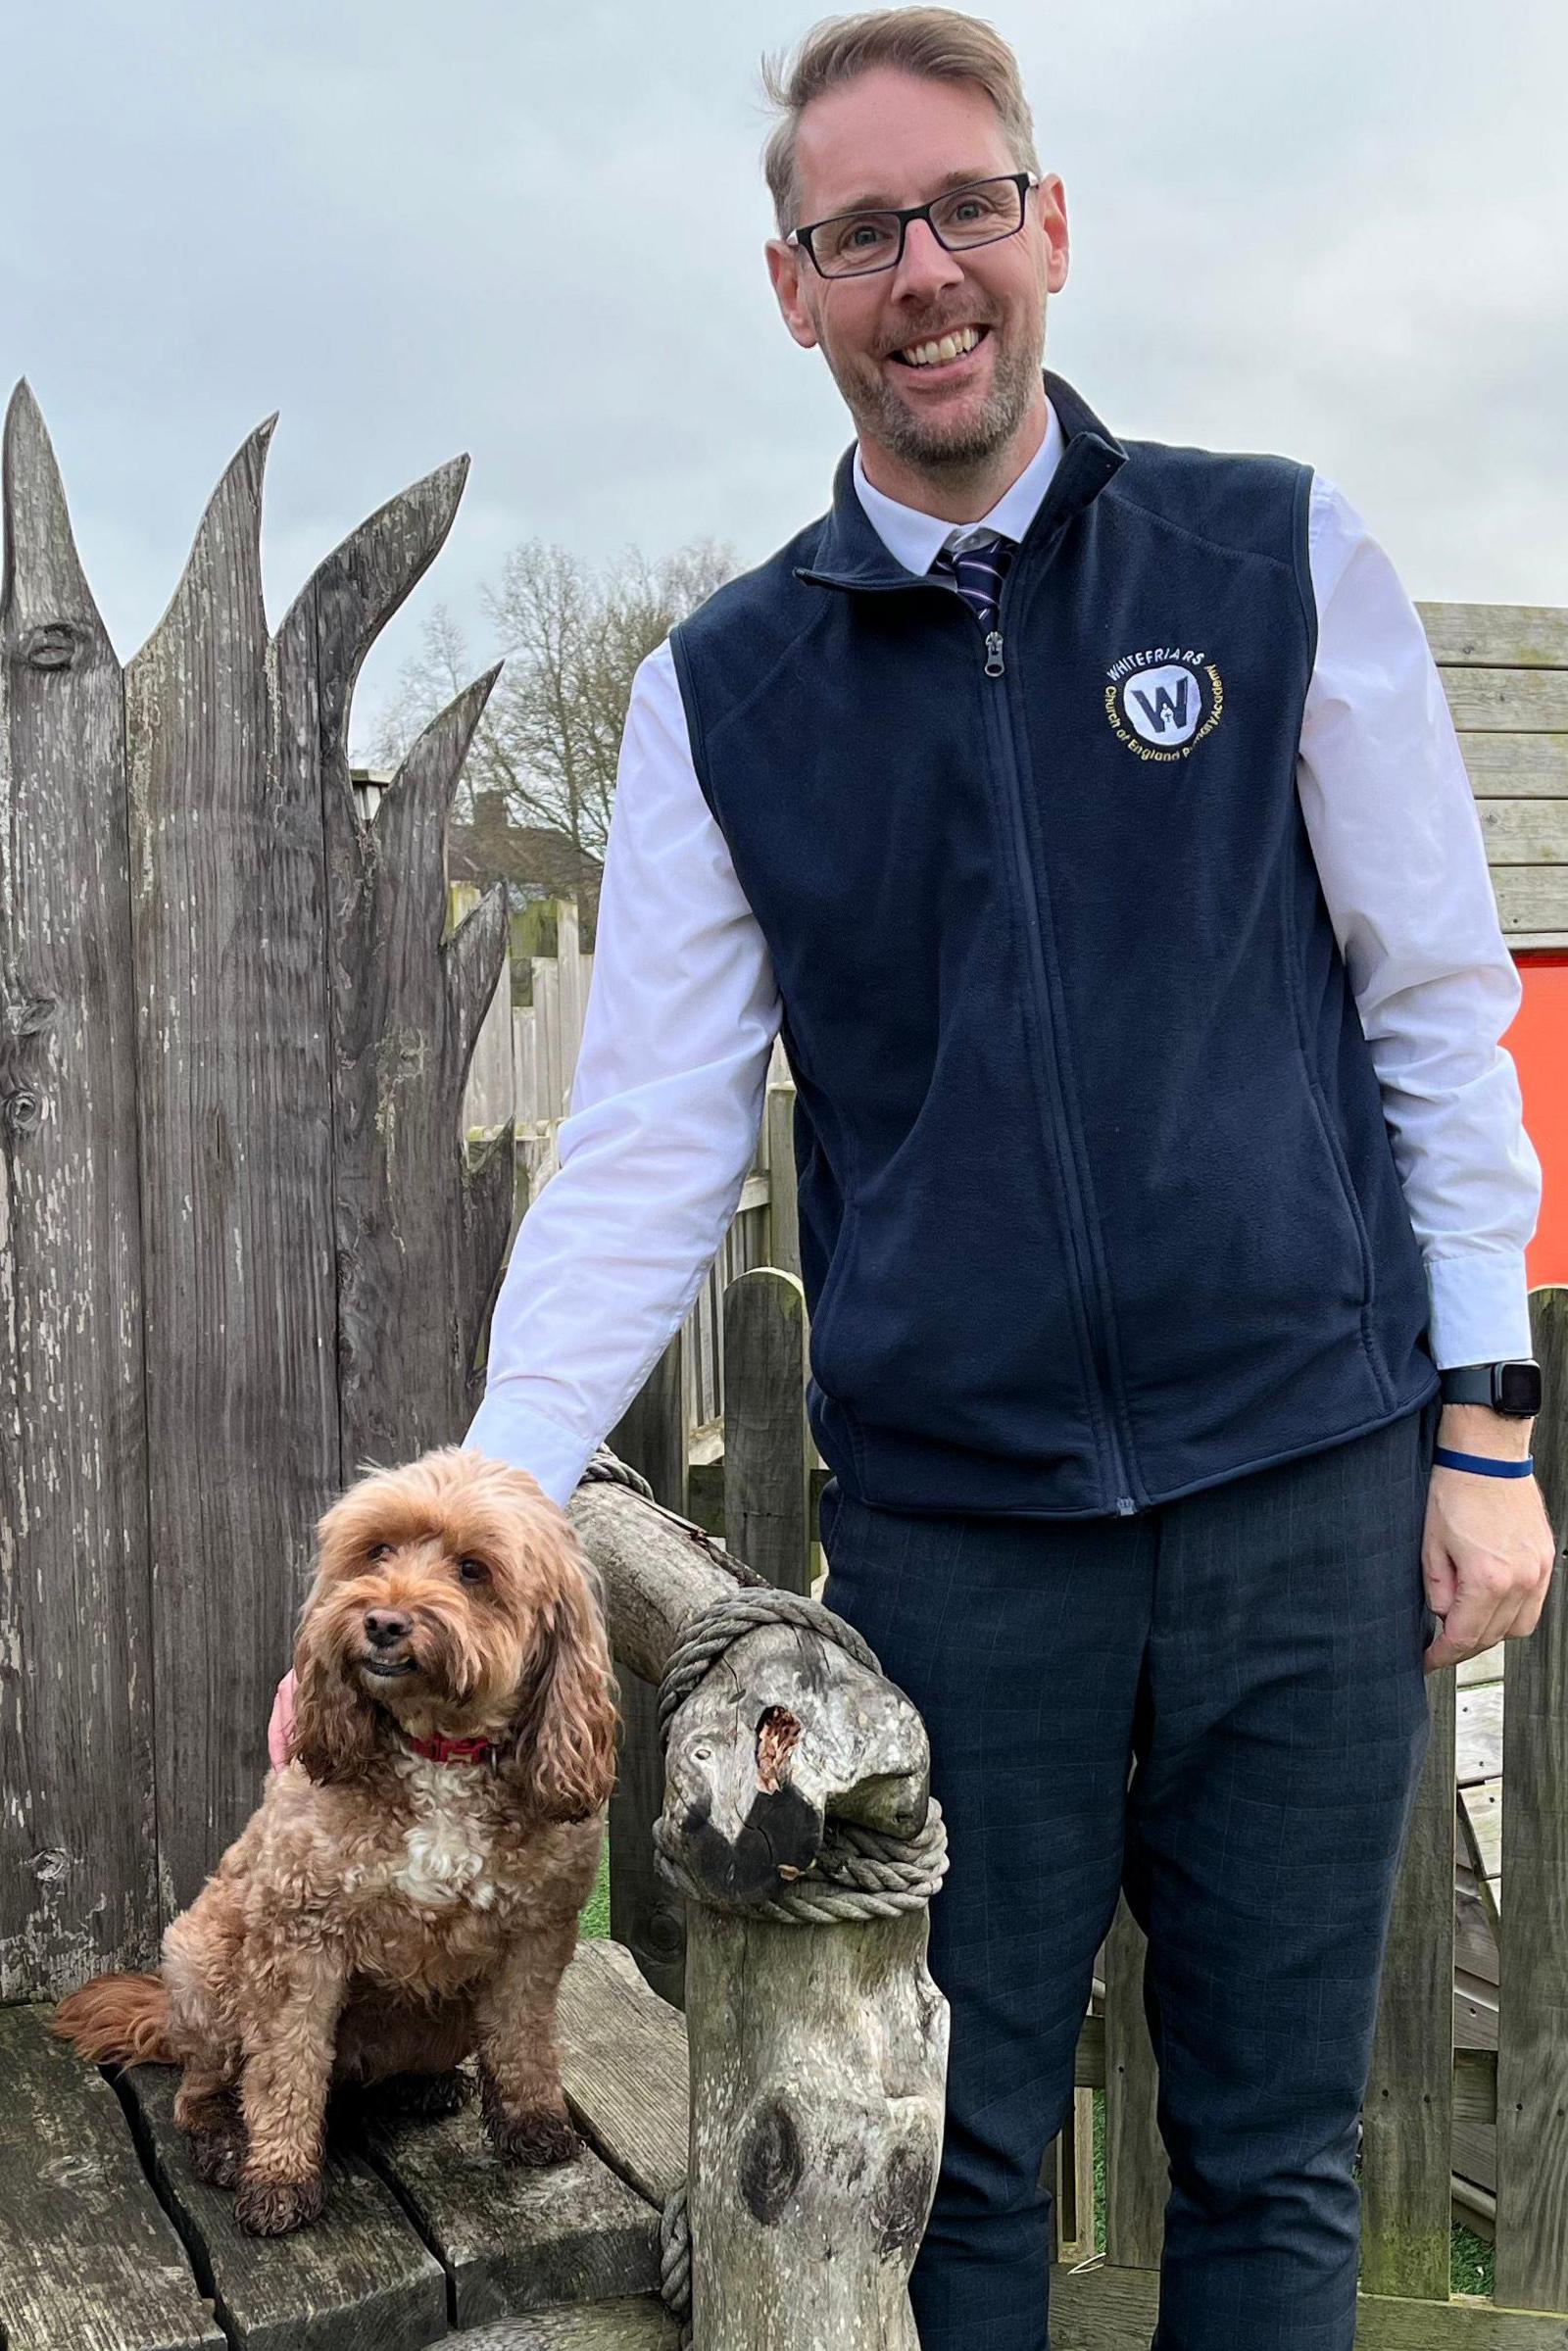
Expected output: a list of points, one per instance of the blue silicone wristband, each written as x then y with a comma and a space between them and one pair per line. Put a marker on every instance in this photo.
1483, 1465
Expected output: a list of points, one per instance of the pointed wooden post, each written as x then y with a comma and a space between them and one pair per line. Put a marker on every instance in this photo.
78, 1878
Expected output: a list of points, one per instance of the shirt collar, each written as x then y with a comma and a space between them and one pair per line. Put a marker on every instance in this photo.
914, 538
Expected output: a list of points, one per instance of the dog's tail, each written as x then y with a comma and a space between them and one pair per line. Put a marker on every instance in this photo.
118, 2019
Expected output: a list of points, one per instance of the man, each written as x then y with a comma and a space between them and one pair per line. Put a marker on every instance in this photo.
1089, 815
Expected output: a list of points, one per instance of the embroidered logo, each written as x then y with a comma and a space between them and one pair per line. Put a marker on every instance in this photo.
1164, 701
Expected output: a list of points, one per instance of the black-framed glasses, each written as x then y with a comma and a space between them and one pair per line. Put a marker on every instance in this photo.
854, 244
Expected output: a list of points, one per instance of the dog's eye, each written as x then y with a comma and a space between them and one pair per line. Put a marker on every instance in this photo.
378, 1552
473, 1571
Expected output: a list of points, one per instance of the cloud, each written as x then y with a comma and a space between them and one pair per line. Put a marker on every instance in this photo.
1335, 233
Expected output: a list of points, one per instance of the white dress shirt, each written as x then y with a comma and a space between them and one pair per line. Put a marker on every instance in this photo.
683, 1009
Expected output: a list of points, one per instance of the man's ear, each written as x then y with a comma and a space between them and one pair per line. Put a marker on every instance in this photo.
785, 266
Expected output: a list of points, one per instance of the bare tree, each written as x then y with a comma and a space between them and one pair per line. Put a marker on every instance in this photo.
571, 639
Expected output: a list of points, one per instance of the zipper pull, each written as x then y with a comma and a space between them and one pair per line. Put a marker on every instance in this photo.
994, 661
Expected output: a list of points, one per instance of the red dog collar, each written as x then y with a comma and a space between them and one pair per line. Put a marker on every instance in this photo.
442, 1749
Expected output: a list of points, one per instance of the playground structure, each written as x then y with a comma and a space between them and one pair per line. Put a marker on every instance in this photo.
242, 1248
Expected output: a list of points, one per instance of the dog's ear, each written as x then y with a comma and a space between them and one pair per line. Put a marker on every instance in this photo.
336, 1731
560, 1746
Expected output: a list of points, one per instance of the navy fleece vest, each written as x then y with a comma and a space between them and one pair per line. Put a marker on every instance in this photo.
1098, 1201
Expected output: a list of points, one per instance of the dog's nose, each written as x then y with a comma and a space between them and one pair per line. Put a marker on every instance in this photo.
384, 1626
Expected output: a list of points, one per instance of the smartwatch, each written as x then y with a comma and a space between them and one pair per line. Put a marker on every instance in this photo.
1511, 1389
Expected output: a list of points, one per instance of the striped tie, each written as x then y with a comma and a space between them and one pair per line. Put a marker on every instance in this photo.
979, 565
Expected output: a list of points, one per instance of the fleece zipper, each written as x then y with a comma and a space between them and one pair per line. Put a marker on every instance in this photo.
996, 700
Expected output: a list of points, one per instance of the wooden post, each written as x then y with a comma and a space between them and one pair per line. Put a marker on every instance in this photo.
818, 2054
783, 1189
1407, 2116
1532, 2239
644, 1915
1137, 2176
78, 1857
767, 1485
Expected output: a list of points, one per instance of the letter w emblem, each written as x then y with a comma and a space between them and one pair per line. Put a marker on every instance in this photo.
1164, 708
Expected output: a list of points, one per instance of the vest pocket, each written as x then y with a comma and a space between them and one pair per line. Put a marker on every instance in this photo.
1341, 1169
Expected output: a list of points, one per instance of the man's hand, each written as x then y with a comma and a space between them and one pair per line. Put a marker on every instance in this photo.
1488, 1550
281, 1722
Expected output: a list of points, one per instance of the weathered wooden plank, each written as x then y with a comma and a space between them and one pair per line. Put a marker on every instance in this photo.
88, 2260
624, 2068
644, 1915
1137, 2176
77, 1881
1531, 899
783, 1185
1525, 832
512, 2237
228, 909
1106, 2309
1482, 1806
420, 1226
1525, 701
1516, 767
1407, 2112
358, 2279
639, 2324
1479, 1749
1496, 636
1485, 1667
767, 1483
1531, 2244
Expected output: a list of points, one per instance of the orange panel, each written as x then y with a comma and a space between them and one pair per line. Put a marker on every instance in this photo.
1539, 1043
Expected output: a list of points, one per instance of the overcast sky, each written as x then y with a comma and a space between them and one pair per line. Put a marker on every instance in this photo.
534, 233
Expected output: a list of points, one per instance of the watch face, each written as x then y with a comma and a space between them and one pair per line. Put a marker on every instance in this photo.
1518, 1388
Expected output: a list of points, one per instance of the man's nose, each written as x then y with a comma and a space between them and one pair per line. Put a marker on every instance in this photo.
384, 1626
927, 265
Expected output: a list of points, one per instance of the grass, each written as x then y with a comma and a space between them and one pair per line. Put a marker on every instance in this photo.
1470, 2261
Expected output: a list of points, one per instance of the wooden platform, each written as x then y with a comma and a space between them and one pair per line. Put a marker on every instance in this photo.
108, 2243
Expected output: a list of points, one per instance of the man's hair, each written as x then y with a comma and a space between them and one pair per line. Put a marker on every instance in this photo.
937, 43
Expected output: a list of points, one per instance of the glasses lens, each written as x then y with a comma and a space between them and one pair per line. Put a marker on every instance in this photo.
993, 208
856, 241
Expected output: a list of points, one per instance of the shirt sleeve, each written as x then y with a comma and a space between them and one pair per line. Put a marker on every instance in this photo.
666, 1110
1396, 838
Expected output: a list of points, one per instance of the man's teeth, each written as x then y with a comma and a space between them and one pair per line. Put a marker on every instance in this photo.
950, 347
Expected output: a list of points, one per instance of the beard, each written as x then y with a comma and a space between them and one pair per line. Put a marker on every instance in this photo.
881, 416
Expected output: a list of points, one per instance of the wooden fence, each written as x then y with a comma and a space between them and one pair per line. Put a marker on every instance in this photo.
241, 1247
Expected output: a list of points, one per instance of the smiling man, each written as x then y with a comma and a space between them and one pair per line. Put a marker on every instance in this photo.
1087, 813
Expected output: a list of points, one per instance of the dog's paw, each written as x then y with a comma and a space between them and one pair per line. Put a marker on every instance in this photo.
218, 2154
273, 2207
540, 2137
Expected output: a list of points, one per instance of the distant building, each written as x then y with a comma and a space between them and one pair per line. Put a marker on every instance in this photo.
535, 861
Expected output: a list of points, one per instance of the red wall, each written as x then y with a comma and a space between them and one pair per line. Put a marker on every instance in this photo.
1539, 1043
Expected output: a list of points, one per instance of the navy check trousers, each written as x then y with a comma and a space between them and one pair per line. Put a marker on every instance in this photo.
1220, 1706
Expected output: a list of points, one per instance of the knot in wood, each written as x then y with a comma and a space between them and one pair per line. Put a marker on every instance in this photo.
52, 645
23, 1111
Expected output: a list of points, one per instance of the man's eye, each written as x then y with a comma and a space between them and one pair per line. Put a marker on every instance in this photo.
473, 1571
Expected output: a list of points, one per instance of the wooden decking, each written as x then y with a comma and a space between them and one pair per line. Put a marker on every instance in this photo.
108, 2243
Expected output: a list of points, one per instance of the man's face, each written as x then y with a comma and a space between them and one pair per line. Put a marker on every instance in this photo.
891, 138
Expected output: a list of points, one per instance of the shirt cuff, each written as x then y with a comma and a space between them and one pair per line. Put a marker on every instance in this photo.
504, 1428
1479, 1302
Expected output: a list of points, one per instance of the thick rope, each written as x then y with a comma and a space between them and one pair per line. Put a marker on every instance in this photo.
858, 1872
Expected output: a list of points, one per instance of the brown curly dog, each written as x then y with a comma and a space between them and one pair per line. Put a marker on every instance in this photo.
408, 1892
